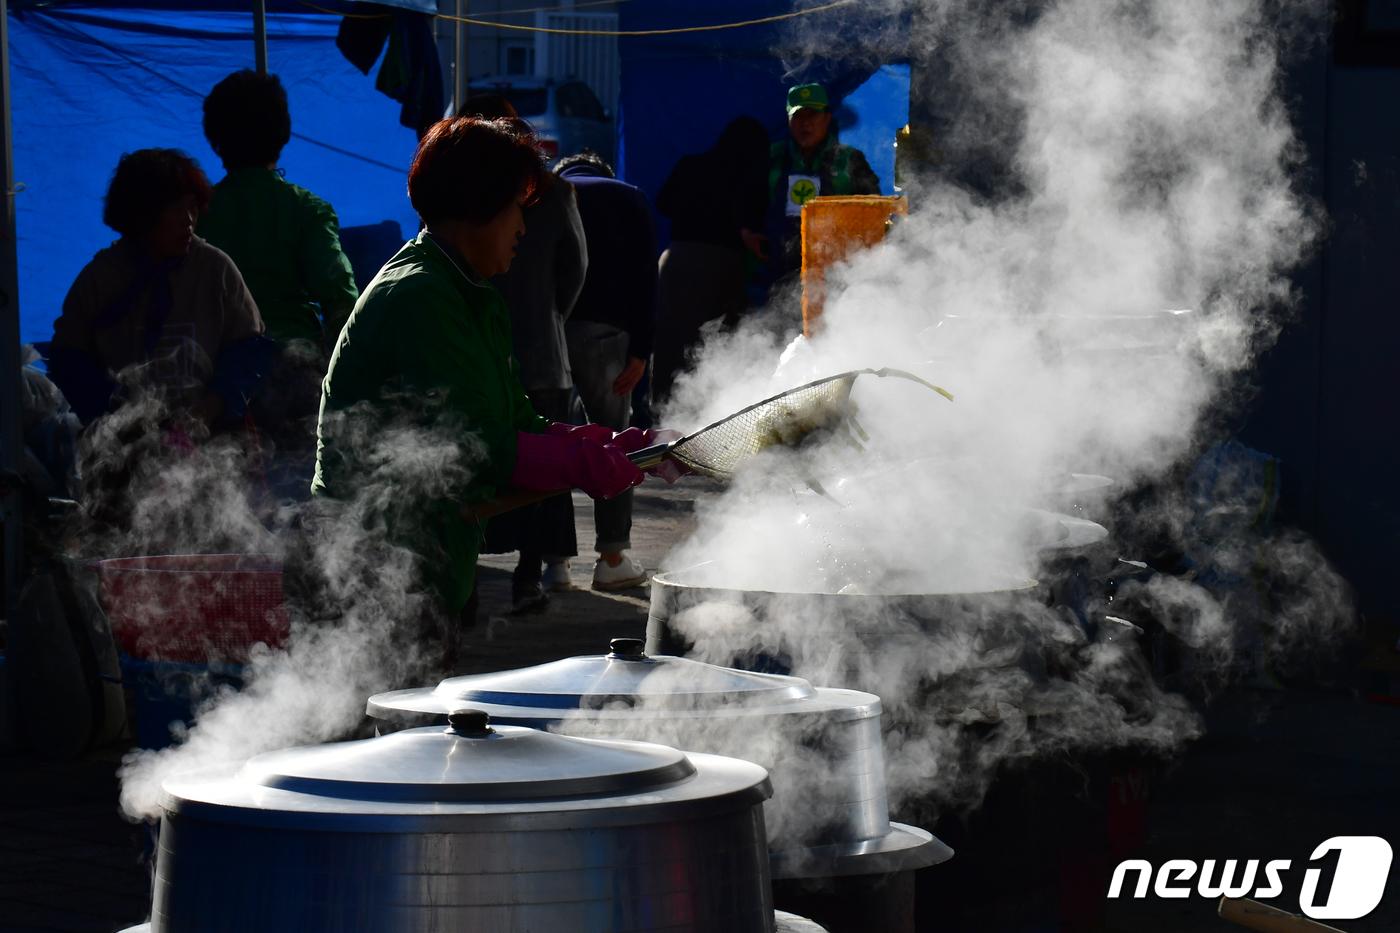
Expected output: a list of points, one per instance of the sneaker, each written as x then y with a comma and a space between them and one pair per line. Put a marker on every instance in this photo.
556, 577
528, 599
627, 574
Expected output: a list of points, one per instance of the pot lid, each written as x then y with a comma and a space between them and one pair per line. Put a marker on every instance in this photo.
625, 675
469, 761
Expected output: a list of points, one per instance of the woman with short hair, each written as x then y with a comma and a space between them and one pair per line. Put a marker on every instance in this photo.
428, 349
160, 309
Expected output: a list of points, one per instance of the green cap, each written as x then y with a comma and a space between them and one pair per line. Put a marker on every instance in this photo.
811, 96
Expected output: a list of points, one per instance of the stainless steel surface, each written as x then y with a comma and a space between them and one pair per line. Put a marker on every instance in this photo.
784, 922
903, 848
822, 747
320, 839
500, 763
596, 682
858, 641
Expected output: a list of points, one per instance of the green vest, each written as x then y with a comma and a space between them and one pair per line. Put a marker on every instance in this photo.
832, 163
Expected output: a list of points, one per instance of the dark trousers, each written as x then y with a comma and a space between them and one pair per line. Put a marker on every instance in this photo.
598, 355
544, 529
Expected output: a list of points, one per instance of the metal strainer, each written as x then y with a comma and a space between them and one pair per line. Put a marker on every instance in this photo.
716, 450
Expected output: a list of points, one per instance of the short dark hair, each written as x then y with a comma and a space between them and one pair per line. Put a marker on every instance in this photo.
246, 119
148, 181
490, 106
585, 157
467, 168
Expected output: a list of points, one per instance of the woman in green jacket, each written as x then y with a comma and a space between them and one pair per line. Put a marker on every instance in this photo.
428, 350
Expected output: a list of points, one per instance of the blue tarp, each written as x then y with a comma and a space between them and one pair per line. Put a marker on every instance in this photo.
679, 90
92, 82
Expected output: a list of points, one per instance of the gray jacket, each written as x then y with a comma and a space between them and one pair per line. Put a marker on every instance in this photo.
542, 285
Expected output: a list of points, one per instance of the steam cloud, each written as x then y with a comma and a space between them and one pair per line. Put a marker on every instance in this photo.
1147, 165
358, 611
1092, 303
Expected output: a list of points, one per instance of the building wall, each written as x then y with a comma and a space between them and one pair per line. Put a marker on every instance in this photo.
498, 51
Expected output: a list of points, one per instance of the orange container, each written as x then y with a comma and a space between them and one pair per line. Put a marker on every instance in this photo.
833, 229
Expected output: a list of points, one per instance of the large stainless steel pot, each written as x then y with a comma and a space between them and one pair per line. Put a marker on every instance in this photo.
829, 814
472, 827
875, 643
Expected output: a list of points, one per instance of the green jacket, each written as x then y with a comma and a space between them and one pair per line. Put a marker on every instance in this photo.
286, 242
427, 347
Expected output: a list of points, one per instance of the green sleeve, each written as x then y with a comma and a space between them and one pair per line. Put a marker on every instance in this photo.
444, 347
525, 418
329, 278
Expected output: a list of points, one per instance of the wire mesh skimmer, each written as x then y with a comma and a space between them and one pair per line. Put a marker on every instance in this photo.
788, 418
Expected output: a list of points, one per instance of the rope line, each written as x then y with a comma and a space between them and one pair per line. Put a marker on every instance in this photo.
535, 9
550, 9
590, 32
646, 32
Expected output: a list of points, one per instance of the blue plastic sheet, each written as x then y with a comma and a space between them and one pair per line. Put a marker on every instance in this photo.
876, 112
89, 83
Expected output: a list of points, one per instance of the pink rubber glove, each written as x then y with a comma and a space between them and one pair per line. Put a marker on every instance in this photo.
633, 439
668, 469
578, 431
543, 462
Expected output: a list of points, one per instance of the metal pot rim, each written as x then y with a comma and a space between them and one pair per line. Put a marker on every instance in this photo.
903, 848
422, 706
219, 794
670, 580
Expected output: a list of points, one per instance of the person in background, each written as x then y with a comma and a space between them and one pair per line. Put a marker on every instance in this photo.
284, 239
701, 274
159, 342
160, 310
428, 348
610, 332
812, 163
540, 289
286, 242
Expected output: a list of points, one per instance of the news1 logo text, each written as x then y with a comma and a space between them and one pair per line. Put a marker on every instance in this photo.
1358, 878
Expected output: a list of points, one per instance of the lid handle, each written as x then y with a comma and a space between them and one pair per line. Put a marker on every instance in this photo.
627, 649
472, 723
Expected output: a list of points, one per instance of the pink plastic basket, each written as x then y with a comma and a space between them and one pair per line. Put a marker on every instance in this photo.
194, 607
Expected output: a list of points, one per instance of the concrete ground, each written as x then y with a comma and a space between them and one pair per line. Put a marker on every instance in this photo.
1276, 774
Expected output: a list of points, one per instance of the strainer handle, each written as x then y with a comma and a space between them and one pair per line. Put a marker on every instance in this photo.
648, 457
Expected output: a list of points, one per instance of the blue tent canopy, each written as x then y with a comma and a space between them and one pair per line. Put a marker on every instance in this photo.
89, 82
679, 90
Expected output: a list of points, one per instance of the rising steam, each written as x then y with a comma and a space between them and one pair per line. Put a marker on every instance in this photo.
359, 612
1091, 299
1106, 251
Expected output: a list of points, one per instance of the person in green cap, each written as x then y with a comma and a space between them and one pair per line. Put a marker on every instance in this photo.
286, 243
812, 163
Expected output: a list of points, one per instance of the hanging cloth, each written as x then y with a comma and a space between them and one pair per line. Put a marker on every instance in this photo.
410, 73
